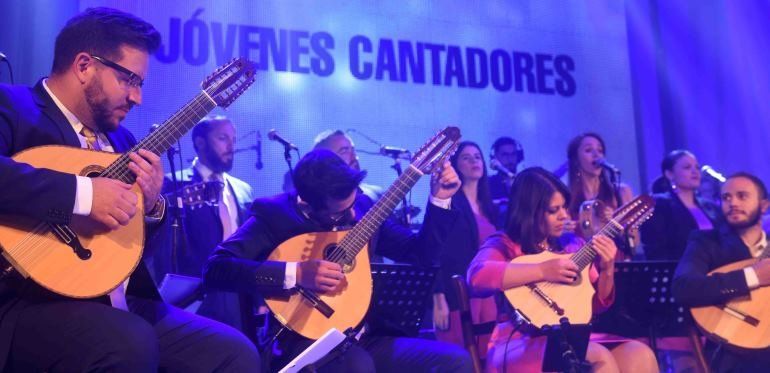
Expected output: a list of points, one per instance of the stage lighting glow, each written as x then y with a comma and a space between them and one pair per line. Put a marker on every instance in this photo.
289, 81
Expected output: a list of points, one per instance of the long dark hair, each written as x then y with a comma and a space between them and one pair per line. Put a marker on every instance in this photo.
606, 190
530, 198
482, 192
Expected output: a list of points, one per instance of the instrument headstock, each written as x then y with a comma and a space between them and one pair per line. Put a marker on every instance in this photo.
635, 212
229, 81
202, 194
438, 149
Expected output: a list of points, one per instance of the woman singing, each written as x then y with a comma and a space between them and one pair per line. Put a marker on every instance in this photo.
589, 180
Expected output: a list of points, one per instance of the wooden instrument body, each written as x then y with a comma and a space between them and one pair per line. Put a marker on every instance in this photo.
104, 258
575, 299
312, 315
40, 255
350, 301
723, 326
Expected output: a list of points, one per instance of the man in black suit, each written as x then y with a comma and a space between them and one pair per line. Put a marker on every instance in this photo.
505, 156
328, 199
744, 200
101, 58
215, 202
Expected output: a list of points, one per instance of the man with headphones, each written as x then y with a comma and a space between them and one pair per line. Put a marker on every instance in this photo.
505, 156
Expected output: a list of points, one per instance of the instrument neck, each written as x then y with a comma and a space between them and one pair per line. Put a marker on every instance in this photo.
165, 136
585, 256
360, 235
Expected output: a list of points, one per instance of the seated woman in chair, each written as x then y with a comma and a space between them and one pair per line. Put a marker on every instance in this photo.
476, 222
537, 215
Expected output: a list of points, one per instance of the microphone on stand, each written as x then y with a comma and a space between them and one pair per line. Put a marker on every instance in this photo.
4, 58
497, 166
396, 153
607, 166
708, 170
274, 136
258, 148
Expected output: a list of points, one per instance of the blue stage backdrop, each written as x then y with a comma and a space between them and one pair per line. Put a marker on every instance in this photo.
541, 71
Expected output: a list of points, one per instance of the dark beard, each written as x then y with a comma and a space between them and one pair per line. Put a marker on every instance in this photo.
99, 106
217, 165
754, 218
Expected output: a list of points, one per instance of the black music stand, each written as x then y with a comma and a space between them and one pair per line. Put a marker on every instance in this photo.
400, 298
565, 350
644, 305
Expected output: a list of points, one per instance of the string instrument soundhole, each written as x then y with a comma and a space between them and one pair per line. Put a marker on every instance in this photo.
334, 253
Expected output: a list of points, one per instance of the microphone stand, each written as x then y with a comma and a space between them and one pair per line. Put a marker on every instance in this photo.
178, 239
628, 244
287, 157
574, 364
614, 179
258, 149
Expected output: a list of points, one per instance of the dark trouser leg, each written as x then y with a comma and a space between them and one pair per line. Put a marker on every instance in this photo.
191, 343
408, 355
72, 336
723, 359
353, 360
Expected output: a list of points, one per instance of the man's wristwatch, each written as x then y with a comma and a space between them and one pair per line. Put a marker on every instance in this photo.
157, 211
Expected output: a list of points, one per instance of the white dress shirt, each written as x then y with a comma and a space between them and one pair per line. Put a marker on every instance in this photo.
752, 280
228, 208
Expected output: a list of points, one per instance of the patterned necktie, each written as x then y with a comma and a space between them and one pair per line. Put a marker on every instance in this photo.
91, 140
117, 296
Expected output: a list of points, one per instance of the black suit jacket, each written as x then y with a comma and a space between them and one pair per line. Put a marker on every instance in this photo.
29, 118
499, 192
665, 235
239, 264
693, 287
461, 246
202, 226
497, 186
706, 251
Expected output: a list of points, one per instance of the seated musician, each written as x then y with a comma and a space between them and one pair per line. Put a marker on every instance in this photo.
744, 200
537, 216
474, 224
678, 209
101, 58
506, 155
219, 200
327, 199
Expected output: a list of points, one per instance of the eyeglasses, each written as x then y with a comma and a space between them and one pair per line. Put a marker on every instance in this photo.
336, 216
133, 79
